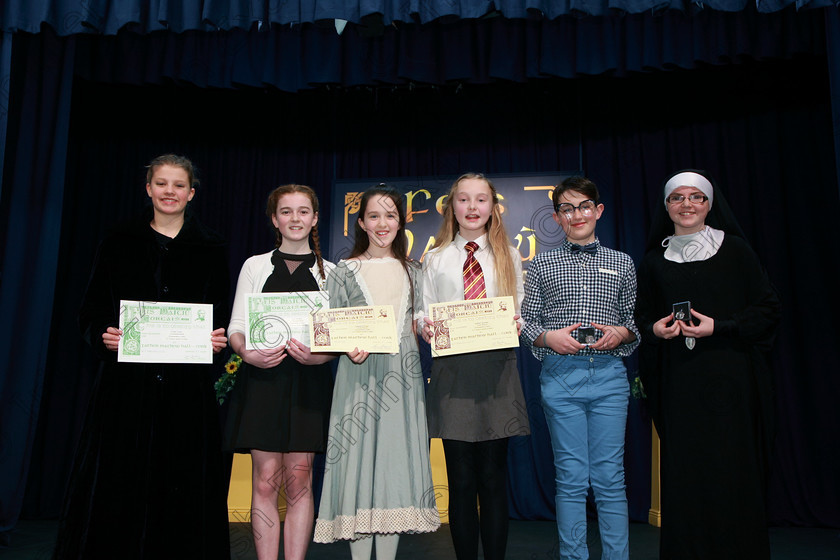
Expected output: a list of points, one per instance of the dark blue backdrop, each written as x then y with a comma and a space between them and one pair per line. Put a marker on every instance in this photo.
495, 95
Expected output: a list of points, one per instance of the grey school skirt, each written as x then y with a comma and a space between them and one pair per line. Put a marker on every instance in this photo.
476, 397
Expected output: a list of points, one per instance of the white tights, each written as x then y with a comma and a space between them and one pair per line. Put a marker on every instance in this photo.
386, 547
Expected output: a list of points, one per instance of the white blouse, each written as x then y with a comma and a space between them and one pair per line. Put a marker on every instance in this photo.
443, 278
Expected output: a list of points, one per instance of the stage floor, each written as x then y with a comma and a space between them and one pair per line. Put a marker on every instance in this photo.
528, 540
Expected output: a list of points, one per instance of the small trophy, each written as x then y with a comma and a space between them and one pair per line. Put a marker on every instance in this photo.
586, 335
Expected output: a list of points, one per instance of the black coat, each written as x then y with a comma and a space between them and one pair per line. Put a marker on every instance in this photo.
147, 482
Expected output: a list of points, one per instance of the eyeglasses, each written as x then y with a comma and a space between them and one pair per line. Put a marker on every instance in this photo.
587, 208
694, 198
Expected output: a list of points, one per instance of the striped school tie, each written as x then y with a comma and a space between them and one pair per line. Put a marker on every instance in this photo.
473, 276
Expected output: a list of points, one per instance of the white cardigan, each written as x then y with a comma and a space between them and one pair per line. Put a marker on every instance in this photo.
252, 277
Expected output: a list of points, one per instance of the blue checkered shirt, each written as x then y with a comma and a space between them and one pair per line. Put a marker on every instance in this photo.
564, 288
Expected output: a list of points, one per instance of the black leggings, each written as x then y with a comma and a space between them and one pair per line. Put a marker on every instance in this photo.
477, 468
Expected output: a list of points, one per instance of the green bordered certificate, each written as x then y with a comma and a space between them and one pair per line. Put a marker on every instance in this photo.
473, 325
165, 333
274, 318
369, 328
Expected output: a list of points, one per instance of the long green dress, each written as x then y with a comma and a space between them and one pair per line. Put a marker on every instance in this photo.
378, 477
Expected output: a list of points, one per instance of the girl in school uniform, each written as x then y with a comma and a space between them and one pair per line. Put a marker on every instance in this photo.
378, 479
475, 401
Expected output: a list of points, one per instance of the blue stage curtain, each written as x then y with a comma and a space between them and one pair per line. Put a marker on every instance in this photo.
749, 126
5, 80
32, 210
109, 16
832, 32
470, 51
616, 147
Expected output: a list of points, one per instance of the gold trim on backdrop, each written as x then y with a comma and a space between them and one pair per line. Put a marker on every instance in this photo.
655, 512
239, 494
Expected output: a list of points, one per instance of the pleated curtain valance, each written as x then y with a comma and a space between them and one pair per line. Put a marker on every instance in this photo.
68, 17
469, 51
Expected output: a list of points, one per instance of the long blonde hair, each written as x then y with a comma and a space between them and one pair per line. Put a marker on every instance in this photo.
497, 237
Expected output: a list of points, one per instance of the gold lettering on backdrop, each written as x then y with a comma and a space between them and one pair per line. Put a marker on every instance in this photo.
410, 237
525, 241
351, 206
409, 202
532, 243
429, 245
549, 188
439, 204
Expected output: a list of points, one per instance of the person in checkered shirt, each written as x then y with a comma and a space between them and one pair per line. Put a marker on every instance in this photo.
578, 313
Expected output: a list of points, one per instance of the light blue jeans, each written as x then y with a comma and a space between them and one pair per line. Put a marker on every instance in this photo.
585, 402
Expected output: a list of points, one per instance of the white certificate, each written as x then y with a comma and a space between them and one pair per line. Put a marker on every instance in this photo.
370, 328
473, 325
165, 333
274, 318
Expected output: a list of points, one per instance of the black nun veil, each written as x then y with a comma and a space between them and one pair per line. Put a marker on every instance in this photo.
720, 215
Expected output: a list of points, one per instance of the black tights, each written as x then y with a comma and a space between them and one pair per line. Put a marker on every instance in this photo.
477, 468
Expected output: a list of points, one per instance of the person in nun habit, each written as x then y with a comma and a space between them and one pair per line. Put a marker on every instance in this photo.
706, 375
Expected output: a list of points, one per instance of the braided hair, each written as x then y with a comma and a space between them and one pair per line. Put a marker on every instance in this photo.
271, 208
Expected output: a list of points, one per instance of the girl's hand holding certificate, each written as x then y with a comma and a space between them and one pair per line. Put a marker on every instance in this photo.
219, 340
358, 356
301, 353
264, 358
111, 338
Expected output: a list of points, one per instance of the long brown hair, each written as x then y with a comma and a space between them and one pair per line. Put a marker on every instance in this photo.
400, 245
271, 209
497, 237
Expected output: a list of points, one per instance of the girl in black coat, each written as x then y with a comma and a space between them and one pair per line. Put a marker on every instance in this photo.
148, 479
